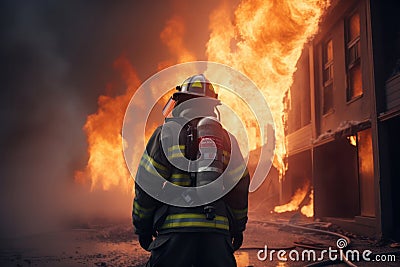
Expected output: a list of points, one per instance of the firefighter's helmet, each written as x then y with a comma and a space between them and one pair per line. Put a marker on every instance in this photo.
192, 87
196, 86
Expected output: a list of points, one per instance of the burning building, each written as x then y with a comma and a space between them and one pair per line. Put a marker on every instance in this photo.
343, 118
335, 120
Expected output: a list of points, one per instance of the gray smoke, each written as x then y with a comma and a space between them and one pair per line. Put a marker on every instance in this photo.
56, 59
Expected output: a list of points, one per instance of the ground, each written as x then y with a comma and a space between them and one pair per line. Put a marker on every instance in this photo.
114, 244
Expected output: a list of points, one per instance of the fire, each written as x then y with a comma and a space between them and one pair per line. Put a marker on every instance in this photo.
106, 165
172, 37
353, 140
308, 210
295, 201
262, 39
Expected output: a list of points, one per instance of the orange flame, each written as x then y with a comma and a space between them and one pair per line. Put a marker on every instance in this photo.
353, 140
263, 39
106, 166
173, 37
308, 210
295, 201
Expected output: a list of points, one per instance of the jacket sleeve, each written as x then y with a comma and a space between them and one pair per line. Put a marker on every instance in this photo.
153, 163
237, 198
237, 201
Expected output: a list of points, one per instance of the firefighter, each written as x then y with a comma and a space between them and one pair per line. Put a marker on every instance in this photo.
198, 236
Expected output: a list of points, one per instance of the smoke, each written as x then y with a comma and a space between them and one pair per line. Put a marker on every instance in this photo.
51, 80
41, 120
57, 58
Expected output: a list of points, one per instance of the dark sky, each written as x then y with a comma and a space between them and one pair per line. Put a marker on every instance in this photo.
56, 59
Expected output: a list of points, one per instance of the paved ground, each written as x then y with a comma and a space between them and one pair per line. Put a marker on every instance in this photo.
113, 244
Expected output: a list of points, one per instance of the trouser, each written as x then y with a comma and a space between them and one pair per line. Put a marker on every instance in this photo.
192, 250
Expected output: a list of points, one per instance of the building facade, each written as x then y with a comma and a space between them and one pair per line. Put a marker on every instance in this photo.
343, 128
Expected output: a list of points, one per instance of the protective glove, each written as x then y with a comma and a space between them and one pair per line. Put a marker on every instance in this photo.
237, 240
145, 240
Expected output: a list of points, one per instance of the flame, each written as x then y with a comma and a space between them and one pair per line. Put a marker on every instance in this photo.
308, 210
262, 39
242, 258
294, 202
353, 140
172, 36
106, 166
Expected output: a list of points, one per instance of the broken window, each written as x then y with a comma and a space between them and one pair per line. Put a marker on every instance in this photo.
327, 77
353, 57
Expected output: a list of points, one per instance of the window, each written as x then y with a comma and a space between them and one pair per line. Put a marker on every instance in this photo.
353, 57
327, 75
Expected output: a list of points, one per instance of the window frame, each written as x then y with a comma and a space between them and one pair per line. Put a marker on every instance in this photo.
350, 63
329, 67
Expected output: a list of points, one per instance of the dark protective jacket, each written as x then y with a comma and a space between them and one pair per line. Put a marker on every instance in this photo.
150, 216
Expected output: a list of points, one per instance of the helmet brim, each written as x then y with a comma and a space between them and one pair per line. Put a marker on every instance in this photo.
195, 95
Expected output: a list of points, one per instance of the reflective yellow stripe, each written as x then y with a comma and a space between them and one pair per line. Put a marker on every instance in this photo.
181, 179
176, 147
176, 151
180, 175
148, 168
239, 214
238, 169
153, 167
137, 206
195, 224
188, 215
195, 220
154, 163
176, 155
182, 183
142, 212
